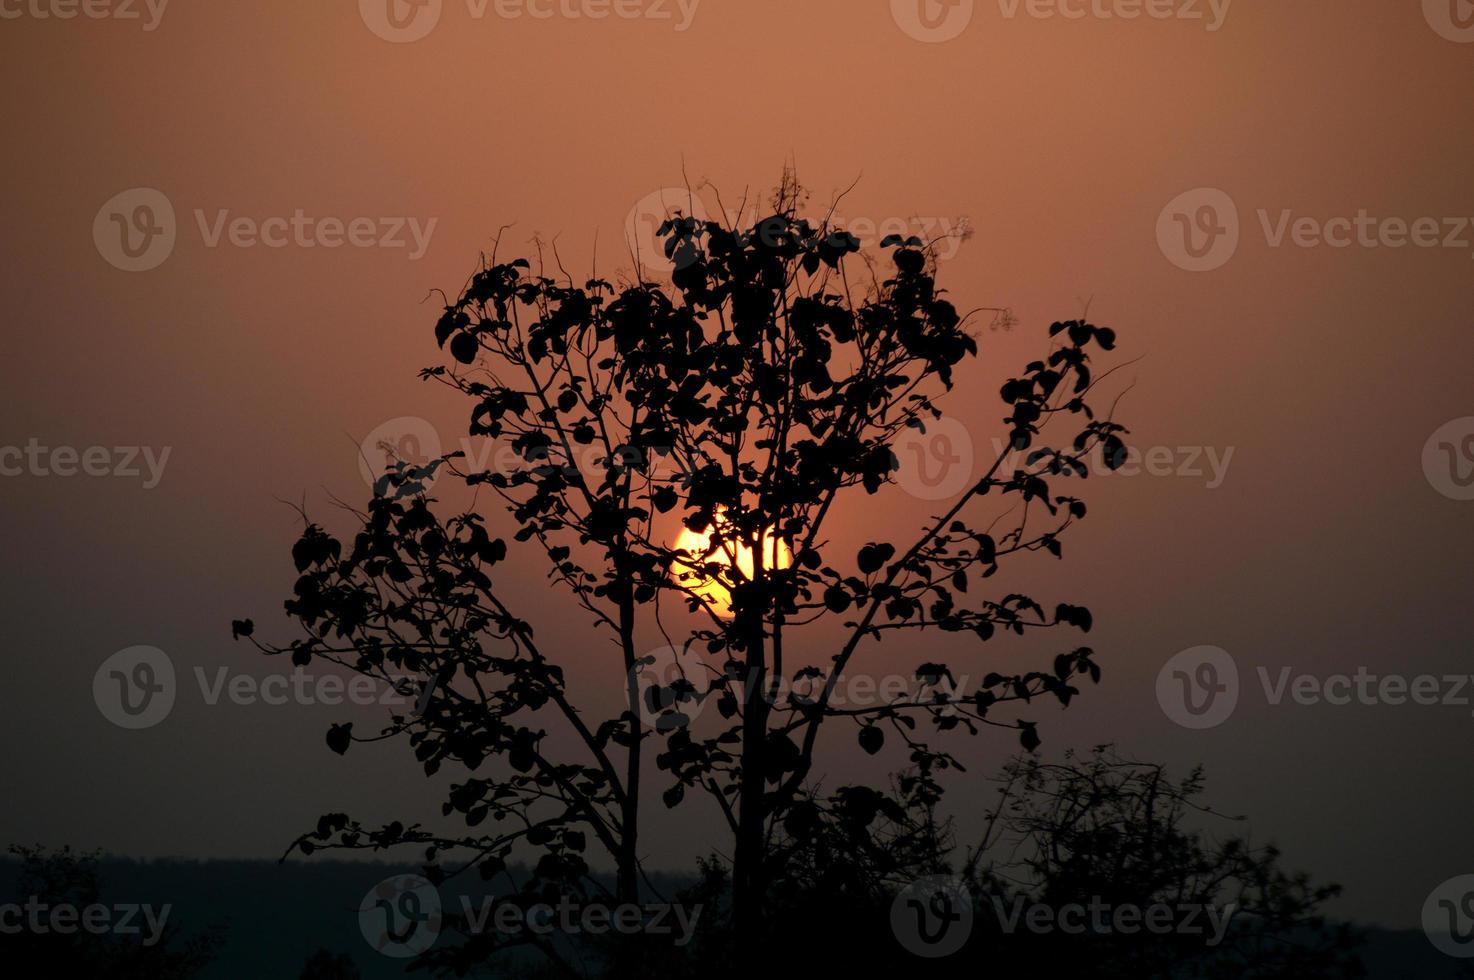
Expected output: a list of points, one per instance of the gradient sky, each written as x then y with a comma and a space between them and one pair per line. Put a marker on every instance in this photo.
1325, 370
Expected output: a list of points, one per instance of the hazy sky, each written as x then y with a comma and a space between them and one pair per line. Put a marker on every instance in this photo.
1301, 348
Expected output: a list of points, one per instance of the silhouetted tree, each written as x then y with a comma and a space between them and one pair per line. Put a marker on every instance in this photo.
323, 965
1099, 830
1121, 833
754, 397
67, 879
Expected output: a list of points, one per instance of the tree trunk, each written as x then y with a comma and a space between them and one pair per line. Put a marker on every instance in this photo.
628, 885
747, 861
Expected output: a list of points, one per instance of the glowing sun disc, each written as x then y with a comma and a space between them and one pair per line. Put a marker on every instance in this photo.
716, 589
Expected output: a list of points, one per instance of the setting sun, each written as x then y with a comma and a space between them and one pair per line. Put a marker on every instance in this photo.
716, 590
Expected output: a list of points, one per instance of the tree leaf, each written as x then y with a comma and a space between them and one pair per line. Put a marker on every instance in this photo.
464, 348
339, 736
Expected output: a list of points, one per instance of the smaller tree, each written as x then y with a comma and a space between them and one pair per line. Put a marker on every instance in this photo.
1098, 829
1121, 833
323, 965
69, 878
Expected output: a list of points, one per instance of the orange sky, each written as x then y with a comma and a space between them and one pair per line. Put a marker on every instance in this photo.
1060, 140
